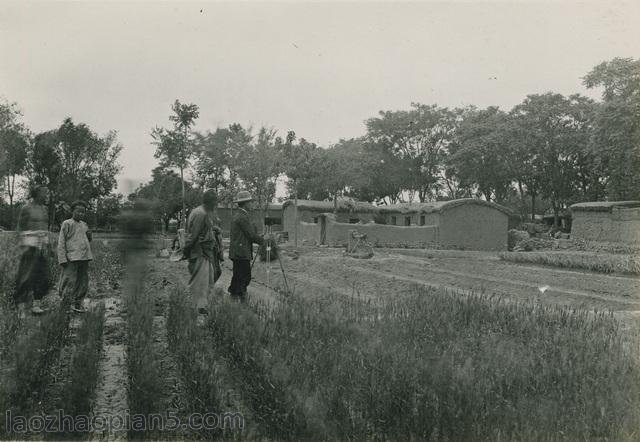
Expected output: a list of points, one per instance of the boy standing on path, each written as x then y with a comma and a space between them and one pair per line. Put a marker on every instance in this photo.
74, 254
243, 236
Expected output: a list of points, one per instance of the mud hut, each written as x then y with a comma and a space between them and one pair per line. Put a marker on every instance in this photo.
259, 218
467, 224
608, 221
310, 212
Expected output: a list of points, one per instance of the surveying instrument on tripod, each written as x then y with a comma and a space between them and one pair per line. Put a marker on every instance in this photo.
270, 252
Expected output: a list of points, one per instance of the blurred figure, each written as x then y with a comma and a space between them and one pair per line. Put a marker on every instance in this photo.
32, 282
203, 249
74, 254
243, 236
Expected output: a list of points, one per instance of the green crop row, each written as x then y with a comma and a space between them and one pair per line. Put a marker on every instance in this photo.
431, 366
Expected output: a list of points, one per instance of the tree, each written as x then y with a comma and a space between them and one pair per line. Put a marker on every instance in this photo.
258, 164
381, 178
174, 147
420, 136
164, 193
89, 162
107, 210
299, 165
74, 163
213, 159
44, 168
14, 141
616, 137
480, 154
555, 131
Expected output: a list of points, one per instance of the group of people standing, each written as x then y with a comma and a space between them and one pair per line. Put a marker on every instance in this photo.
204, 250
73, 253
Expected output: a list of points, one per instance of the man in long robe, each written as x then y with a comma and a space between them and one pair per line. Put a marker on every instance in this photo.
203, 249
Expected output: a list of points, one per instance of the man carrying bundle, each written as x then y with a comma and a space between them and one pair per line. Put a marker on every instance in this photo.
203, 249
243, 236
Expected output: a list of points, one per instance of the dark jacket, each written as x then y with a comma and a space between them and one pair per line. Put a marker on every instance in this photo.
243, 235
202, 235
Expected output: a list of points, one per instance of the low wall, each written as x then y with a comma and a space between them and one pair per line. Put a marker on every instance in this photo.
621, 225
307, 232
381, 235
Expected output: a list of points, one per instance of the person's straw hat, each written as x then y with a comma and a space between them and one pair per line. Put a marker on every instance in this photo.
242, 196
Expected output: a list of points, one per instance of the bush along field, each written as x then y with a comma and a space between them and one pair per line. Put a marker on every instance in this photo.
50, 362
592, 261
426, 366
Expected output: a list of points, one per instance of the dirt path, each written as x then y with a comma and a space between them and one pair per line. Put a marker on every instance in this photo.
111, 391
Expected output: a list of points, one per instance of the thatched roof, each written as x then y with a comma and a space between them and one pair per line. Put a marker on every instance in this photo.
344, 205
440, 206
602, 206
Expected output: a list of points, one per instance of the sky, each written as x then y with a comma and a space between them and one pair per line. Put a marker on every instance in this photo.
318, 68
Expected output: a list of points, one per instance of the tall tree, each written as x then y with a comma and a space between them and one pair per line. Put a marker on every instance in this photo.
75, 163
213, 159
164, 194
44, 168
258, 165
555, 130
174, 147
421, 136
14, 142
616, 137
382, 174
480, 153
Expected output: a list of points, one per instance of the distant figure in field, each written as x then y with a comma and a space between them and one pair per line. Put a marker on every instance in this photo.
74, 254
203, 249
243, 236
32, 282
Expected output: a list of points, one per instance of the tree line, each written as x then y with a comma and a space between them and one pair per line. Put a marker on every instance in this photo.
545, 153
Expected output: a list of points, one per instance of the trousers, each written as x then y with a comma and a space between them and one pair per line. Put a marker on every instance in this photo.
74, 282
33, 275
241, 278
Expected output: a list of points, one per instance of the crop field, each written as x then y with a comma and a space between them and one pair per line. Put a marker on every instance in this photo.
408, 345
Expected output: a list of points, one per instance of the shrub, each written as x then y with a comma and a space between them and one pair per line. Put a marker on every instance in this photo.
596, 262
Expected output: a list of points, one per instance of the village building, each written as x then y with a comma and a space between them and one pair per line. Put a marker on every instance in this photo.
346, 211
608, 221
260, 218
466, 224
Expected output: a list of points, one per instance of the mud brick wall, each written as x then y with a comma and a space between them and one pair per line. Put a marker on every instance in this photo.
225, 214
381, 235
621, 225
308, 216
307, 233
473, 227
430, 219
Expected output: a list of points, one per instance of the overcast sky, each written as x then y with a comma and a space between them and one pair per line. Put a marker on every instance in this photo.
320, 69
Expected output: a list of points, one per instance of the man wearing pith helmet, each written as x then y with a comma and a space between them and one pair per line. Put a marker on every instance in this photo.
243, 236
